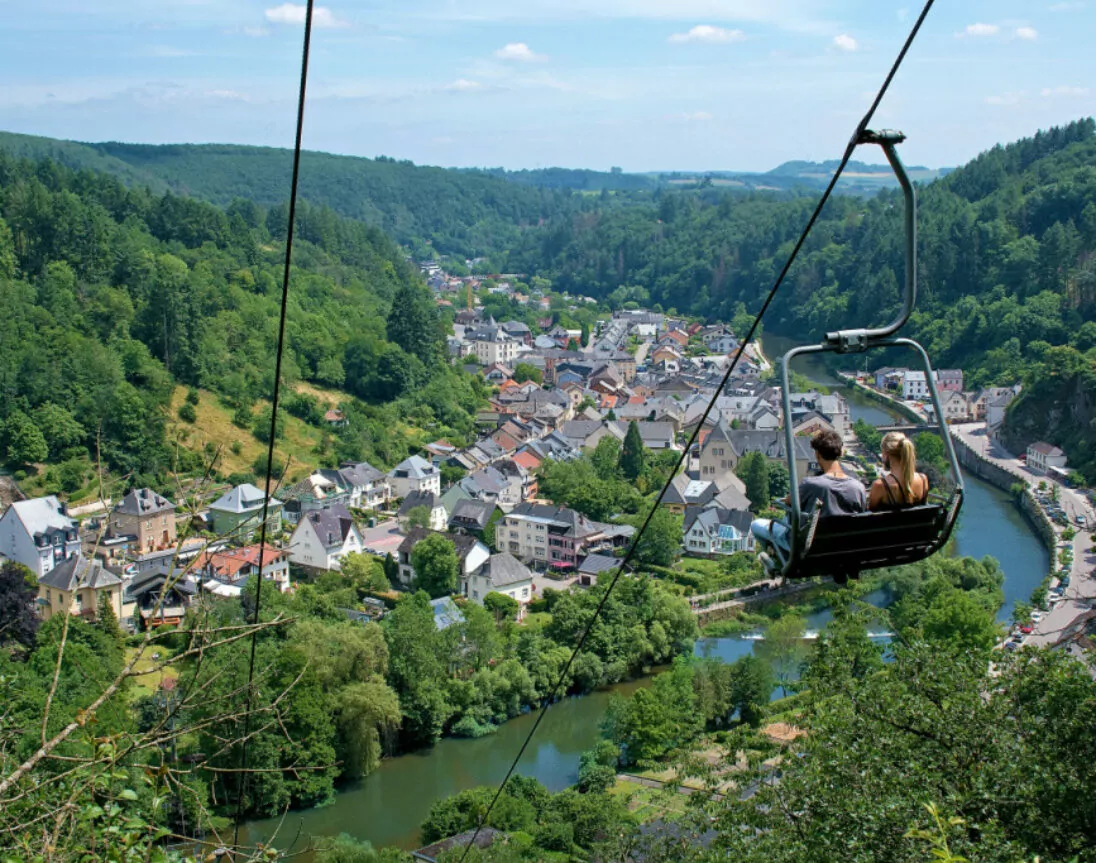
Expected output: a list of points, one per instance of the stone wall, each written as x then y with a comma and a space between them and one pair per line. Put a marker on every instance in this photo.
975, 463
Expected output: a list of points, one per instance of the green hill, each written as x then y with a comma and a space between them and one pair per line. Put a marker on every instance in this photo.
457, 212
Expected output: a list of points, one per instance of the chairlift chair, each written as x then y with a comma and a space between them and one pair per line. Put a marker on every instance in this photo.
845, 545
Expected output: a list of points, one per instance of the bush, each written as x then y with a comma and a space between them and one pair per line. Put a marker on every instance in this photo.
236, 447
20, 476
187, 413
192, 397
469, 726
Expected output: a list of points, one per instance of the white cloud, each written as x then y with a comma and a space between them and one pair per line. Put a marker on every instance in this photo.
256, 32
229, 95
1077, 92
463, 85
845, 42
710, 34
1028, 33
979, 30
696, 116
167, 51
1066, 7
520, 52
1006, 99
290, 13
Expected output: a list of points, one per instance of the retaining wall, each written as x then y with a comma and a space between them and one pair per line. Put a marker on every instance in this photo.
974, 462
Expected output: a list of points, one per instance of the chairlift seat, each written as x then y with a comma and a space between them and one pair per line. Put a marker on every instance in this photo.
845, 545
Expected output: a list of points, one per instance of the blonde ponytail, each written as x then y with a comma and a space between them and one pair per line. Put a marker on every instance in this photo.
899, 448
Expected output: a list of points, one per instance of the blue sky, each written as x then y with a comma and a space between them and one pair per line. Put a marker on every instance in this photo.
644, 84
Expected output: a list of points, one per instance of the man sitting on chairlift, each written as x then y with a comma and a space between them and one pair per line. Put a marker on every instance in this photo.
839, 494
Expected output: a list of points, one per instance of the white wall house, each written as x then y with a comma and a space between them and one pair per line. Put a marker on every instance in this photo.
500, 573
369, 488
38, 534
1042, 456
717, 531
914, 386
323, 538
414, 474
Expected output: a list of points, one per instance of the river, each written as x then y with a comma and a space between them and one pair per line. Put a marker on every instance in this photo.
387, 807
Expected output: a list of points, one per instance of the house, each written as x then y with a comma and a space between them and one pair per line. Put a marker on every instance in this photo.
545, 534
414, 474
997, 403
593, 566
722, 344
238, 513
494, 485
147, 516
717, 531
956, 406
655, 435
717, 456
432, 503
492, 345
369, 488
38, 534
888, 378
158, 598
335, 417
587, 434
914, 386
320, 489
471, 553
497, 373
1042, 456
324, 537
77, 585
809, 422
518, 331
666, 354
500, 573
472, 517
235, 566
949, 380
833, 408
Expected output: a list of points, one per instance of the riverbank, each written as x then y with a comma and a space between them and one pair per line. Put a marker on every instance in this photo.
895, 405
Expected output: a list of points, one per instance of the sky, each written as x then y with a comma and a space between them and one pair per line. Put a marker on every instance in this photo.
640, 84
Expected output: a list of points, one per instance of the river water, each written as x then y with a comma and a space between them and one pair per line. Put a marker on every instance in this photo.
387, 807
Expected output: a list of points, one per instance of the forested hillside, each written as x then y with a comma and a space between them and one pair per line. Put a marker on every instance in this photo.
457, 212
113, 295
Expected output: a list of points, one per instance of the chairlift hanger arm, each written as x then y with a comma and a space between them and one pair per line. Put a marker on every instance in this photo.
859, 340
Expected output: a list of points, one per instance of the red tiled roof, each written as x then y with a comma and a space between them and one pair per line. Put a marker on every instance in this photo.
527, 460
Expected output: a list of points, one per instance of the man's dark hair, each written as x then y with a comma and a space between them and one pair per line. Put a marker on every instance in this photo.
827, 444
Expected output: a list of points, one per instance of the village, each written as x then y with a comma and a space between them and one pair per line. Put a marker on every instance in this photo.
554, 397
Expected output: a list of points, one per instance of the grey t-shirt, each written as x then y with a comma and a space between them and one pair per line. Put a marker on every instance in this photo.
839, 496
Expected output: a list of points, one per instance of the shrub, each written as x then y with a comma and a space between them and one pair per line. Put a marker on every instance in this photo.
192, 396
187, 413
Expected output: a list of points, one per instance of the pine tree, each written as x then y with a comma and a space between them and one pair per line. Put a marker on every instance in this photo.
108, 620
633, 457
413, 324
753, 470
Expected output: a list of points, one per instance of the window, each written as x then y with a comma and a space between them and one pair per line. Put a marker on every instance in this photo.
525, 593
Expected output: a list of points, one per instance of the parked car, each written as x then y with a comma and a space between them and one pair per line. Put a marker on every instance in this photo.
1036, 616
1027, 629
1013, 645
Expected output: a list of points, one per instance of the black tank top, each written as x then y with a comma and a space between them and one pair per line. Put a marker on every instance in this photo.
896, 494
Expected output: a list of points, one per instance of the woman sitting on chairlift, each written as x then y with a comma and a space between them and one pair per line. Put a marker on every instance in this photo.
901, 486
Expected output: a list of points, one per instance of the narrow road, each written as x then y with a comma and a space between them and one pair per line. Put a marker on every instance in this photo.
1078, 597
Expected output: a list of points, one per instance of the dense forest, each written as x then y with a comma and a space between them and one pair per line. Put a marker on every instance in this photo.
115, 295
430, 209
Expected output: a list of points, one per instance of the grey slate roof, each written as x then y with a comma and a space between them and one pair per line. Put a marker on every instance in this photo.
243, 498
595, 563
503, 569
419, 498
332, 523
43, 516
713, 517
77, 572
573, 524
143, 501
415, 467
471, 514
